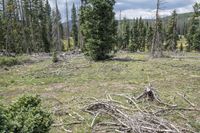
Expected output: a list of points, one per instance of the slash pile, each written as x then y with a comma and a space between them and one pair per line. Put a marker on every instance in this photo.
114, 116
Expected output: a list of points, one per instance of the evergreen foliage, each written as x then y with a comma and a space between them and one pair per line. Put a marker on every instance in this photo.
4, 123
134, 37
57, 29
194, 30
25, 116
74, 26
172, 34
98, 27
142, 35
149, 37
67, 26
125, 33
31, 26
26, 26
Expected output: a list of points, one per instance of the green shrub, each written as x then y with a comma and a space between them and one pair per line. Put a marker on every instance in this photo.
11, 61
25, 116
3, 120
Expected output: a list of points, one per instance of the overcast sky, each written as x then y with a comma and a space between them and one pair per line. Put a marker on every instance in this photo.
136, 8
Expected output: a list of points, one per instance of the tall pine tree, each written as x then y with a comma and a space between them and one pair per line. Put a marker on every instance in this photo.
67, 25
48, 26
99, 28
74, 26
56, 31
194, 30
172, 33
135, 42
149, 37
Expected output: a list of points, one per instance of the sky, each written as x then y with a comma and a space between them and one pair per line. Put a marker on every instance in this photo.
137, 8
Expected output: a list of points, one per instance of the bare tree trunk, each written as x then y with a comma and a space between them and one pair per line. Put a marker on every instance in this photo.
67, 20
174, 34
9, 28
58, 48
78, 25
83, 3
24, 25
156, 50
32, 46
120, 30
56, 29
2, 8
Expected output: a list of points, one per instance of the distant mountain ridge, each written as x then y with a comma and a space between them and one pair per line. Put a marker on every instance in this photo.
181, 18
182, 21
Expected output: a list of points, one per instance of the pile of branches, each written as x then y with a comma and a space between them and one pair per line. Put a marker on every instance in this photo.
114, 116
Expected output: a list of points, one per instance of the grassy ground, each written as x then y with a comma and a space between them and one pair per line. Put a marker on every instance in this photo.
11, 61
75, 80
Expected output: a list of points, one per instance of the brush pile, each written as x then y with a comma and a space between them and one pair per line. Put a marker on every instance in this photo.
111, 115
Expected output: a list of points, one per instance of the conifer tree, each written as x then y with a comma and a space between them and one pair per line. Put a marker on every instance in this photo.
193, 34
81, 21
172, 33
119, 33
48, 27
134, 45
2, 28
43, 30
149, 37
125, 33
10, 20
36, 27
196, 43
99, 28
67, 28
56, 29
25, 26
142, 35
74, 26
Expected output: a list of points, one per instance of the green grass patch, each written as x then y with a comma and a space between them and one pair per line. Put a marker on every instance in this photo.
11, 61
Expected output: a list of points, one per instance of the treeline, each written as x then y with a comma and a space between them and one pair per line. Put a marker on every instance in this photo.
26, 26
134, 35
29, 26
182, 22
137, 34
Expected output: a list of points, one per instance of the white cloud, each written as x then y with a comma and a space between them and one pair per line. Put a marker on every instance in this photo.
135, 8
62, 6
150, 13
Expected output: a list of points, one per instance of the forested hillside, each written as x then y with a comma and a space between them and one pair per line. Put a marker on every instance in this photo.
183, 21
27, 26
